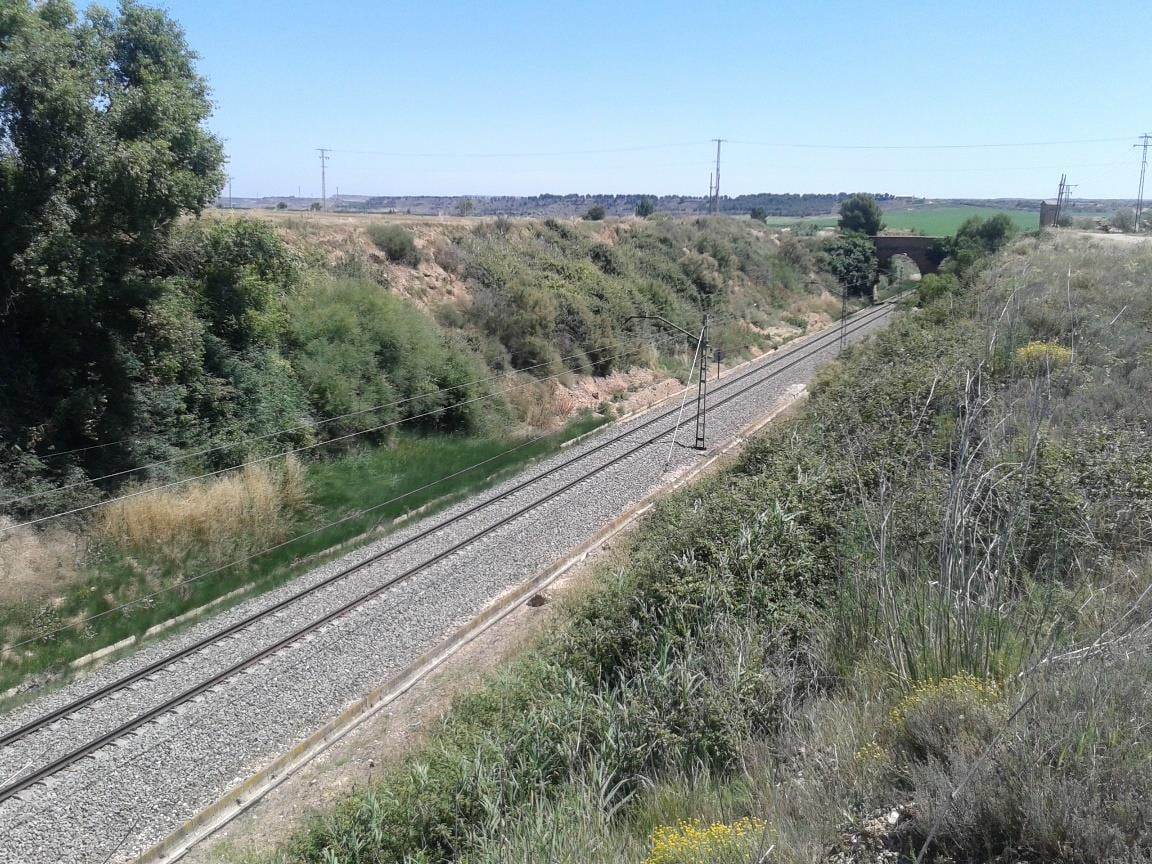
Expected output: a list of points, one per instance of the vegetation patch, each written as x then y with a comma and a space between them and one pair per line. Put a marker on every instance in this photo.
901, 616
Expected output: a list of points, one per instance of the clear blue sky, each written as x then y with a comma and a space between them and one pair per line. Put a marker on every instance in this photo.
451, 92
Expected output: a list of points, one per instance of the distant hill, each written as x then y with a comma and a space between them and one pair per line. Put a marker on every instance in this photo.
566, 206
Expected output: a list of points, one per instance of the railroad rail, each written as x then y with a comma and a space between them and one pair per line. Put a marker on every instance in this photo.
728, 390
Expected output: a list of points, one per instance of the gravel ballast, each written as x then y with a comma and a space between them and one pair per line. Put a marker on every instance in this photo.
128, 795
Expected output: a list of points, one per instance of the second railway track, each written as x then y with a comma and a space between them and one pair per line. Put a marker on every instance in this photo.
44, 743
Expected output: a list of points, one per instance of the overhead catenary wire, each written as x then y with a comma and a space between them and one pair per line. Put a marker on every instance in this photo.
338, 633
284, 453
193, 454
144, 672
357, 514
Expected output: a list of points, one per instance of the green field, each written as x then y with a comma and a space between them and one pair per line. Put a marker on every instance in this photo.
945, 220
925, 220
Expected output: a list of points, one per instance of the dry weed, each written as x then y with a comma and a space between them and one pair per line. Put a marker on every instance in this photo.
210, 521
36, 564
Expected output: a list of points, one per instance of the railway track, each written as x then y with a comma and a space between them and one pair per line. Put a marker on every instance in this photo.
631, 440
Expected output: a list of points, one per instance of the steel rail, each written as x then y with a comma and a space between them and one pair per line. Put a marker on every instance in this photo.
805, 351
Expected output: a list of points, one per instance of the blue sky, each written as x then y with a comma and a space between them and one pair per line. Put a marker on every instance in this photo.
522, 98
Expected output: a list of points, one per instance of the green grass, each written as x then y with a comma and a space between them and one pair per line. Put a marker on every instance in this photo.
349, 489
935, 221
941, 221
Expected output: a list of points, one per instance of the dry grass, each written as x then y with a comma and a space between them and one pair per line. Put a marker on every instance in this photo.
212, 521
35, 564
540, 405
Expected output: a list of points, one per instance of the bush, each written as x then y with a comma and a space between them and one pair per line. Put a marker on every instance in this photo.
396, 243
851, 258
594, 214
934, 286
354, 346
645, 207
759, 214
1124, 219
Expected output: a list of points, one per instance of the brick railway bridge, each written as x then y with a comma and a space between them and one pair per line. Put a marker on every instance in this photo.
915, 246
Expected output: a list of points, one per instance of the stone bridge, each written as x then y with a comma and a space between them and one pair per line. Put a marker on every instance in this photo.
915, 246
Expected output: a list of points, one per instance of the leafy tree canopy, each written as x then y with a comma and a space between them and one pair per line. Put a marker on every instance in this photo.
851, 258
102, 150
645, 207
861, 214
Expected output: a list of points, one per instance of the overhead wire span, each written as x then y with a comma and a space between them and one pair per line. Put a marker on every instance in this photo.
282, 544
301, 449
297, 428
321, 644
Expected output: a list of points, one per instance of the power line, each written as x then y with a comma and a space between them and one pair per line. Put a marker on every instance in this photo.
298, 428
356, 514
258, 461
974, 146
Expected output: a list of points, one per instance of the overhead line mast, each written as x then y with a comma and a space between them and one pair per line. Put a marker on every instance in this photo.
1143, 166
716, 187
324, 157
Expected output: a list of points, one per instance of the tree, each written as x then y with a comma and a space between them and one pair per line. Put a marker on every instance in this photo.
102, 149
1124, 219
759, 214
851, 258
987, 235
861, 214
315, 207
280, 205
594, 214
645, 207
465, 206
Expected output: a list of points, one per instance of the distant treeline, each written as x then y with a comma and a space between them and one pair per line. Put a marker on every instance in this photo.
546, 206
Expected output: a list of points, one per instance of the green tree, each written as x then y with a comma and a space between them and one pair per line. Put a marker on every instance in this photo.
759, 214
851, 258
645, 207
861, 214
102, 149
465, 206
1124, 219
594, 213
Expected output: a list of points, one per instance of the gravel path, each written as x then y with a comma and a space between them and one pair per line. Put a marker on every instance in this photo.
132, 793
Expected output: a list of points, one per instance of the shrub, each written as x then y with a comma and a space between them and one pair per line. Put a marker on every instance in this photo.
759, 214
645, 207
1041, 356
695, 843
396, 243
1124, 219
942, 716
851, 258
594, 213
934, 286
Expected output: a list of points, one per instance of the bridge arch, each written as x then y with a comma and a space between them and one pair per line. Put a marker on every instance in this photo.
916, 246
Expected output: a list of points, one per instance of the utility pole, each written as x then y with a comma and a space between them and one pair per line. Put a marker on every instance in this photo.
710, 175
1143, 165
1068, 187
702, 387
324, 157
229, 191
716, 188
1059, 198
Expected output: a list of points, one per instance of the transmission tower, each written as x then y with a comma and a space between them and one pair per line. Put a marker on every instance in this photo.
324, 157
